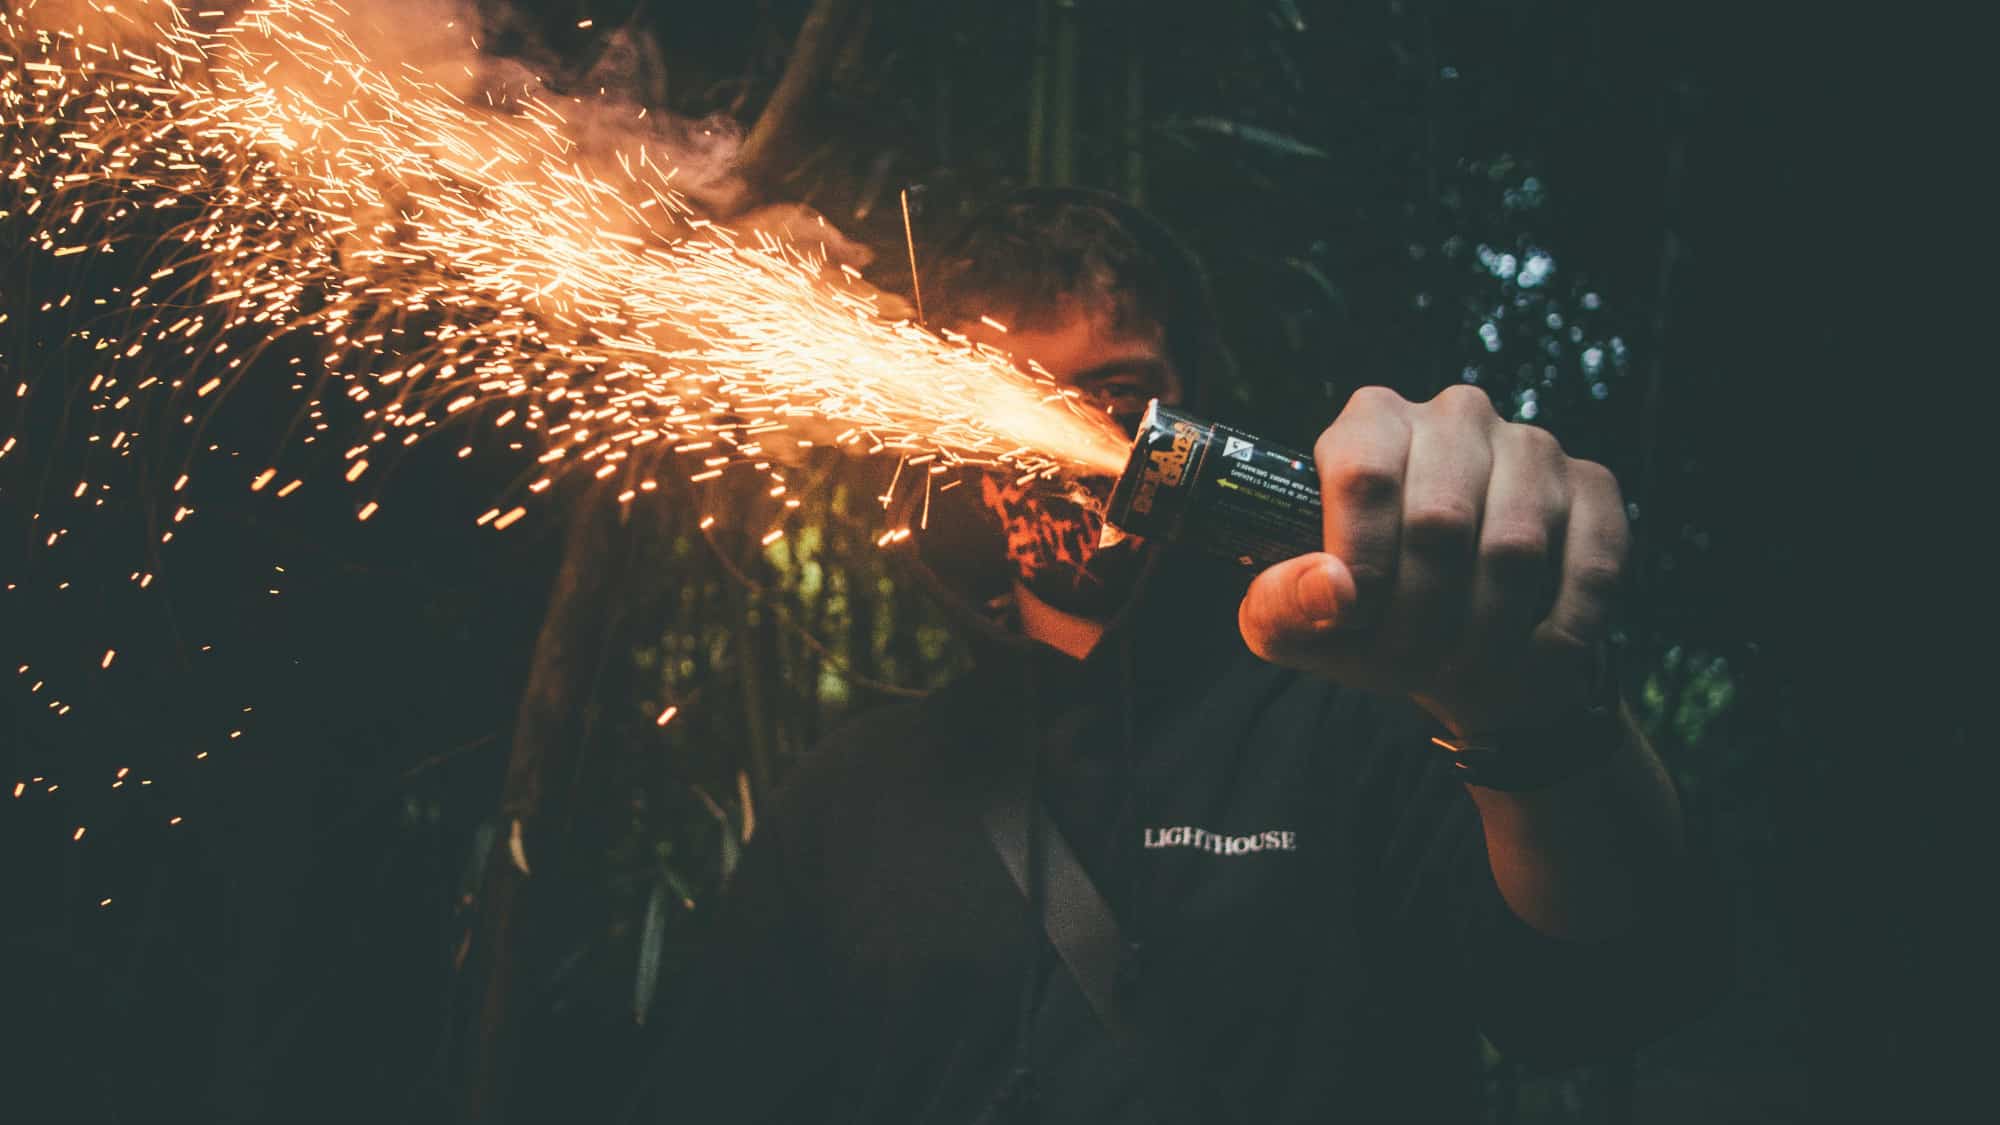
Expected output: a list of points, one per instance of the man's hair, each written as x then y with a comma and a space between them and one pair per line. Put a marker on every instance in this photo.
1031, 257
1023, 258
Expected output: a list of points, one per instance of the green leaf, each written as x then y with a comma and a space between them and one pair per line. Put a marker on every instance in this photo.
680, 888
1282, 143
731, 851
652, 940
1319, 279
475, 863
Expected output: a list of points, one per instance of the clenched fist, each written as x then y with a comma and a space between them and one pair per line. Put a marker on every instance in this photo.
1470, 564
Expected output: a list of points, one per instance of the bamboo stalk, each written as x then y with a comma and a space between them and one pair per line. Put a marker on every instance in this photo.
1038, 93
569, 653
1062, 135
1656, 366
813, 55
944, 63
750, 677
1135, 122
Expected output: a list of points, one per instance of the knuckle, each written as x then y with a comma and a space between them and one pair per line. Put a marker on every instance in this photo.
1376, 398
1464, 398
1514, 548
1326, 448
1594, 474
1361, 484
1440, 525
1598, 579
1535, 439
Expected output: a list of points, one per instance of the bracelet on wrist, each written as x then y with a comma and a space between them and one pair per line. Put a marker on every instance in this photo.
1528, 758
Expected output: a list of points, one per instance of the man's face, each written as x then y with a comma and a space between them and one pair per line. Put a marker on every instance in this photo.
1052, 541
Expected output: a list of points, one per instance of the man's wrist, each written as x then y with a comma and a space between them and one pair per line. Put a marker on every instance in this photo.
1535, 756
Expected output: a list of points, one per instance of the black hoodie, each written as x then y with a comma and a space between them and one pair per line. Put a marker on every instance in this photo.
1318, 934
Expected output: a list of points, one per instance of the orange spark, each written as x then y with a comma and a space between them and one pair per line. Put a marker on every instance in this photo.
583, 289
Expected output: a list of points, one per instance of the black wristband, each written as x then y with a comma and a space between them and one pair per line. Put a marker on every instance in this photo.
1537, 757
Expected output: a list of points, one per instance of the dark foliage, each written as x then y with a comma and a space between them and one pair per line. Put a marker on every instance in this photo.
1553, 201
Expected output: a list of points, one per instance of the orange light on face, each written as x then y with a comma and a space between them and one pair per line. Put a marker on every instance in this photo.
1041, 534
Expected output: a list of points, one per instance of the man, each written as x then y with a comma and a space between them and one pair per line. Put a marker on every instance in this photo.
1312, 906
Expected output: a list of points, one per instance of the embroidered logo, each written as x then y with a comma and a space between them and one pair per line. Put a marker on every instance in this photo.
1216, 843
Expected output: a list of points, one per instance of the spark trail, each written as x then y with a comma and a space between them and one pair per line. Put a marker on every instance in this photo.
445, 247
577, 293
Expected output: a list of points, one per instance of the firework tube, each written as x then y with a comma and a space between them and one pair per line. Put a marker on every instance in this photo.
1215, 489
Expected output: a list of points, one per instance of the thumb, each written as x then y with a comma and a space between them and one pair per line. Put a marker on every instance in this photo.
1294, 603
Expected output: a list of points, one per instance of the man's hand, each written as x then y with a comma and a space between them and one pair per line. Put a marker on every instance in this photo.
1470, 564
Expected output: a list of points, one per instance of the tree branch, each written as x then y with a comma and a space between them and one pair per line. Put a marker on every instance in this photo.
813, 54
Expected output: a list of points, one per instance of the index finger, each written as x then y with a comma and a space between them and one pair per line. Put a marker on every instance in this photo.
1361, 460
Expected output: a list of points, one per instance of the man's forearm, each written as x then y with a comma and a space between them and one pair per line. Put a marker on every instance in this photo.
1574, 860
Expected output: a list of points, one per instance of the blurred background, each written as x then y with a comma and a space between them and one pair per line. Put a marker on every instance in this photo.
442, 863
